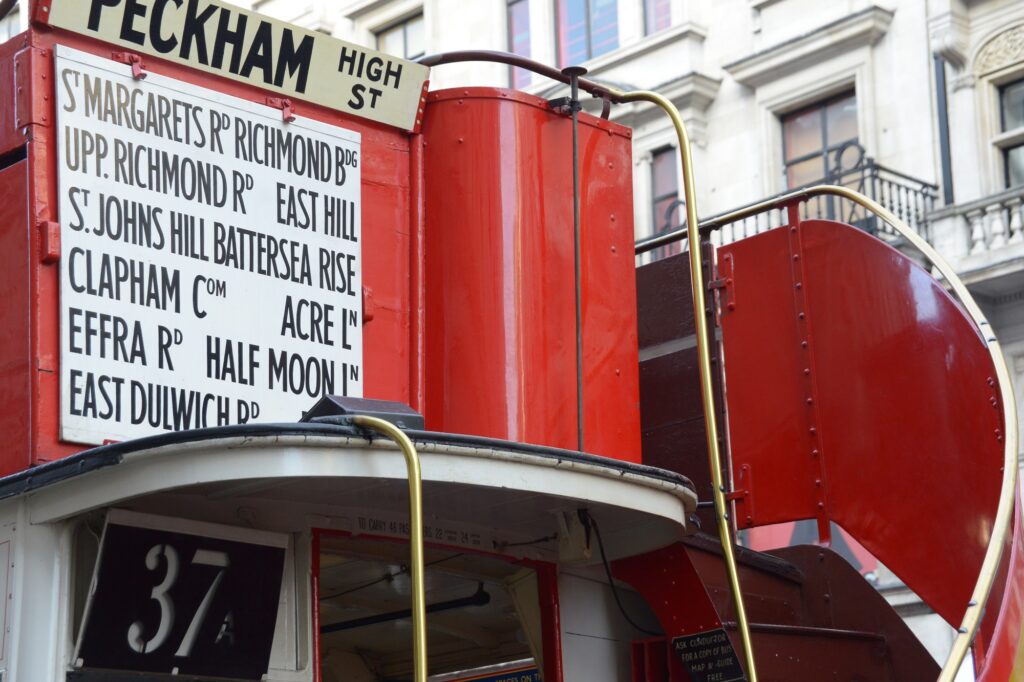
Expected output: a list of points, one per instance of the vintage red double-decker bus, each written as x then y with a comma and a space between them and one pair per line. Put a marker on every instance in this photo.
311, 373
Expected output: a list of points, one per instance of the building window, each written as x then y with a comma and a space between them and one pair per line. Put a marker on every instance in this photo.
404, 39
586, 29
519, 38
1011, 106
664, 190
814, 137
657, 15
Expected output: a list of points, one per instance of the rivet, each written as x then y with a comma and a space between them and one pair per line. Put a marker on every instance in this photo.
618, 371
796, 256
821, 505
792, 229
461, 140
731, 306
803, 344
799, 285
801, 316
612, 217
614, 248
807, 371
810, 401
814, 452
817, 482
813, 430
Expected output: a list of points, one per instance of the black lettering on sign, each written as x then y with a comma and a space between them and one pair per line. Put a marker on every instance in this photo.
709, 657
100, 335
308, 320
170, 408
124, 280
188, 604
96, 395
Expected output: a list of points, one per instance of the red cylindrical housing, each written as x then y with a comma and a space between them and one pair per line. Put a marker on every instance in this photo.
500, 347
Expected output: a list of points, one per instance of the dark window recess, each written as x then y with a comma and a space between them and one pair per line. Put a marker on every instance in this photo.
404, 39
665, 205
519, 39
586, 29
1011, 107
657, 15
820, 141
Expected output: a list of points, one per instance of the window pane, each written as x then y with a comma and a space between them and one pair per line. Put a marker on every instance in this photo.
1012, 97
657, 15
519, 38
666, 215
390, 41
805, 172
604, 22
415, 46
664, 189
850, 159
572, 31
842, 120
1015, 166
802, 133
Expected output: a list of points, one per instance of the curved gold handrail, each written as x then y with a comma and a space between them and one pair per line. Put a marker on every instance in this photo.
1004, 512
704, 363
419, 600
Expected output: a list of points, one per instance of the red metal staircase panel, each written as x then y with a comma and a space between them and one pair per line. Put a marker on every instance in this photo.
859, 392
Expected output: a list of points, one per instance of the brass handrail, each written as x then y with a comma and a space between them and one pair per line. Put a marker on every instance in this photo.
1004, 512
419, 599
704, 363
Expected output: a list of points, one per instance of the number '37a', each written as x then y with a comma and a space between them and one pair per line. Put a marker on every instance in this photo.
137, 638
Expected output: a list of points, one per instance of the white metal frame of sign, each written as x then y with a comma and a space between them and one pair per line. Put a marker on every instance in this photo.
210, 256
228, 41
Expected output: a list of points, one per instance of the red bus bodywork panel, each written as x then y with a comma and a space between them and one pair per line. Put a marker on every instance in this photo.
468, 283
861, 393
500, 293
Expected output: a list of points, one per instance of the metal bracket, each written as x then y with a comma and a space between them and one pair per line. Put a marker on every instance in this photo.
723, 285
33, 84
133, 60
49, 241
421, 108
565, 105
285, 105
41, 15
744, 515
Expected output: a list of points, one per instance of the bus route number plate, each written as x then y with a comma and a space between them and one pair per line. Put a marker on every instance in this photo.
167, 602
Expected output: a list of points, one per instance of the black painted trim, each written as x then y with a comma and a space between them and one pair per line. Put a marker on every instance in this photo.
108, 455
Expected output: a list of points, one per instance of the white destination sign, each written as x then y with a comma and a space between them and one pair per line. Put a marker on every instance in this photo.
210, 256
220, 38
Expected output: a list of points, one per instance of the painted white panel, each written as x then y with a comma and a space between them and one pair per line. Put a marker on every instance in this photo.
210, 256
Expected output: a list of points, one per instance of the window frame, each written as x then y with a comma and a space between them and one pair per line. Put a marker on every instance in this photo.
827, 147
648, 19
402, 23
509, 4
658, 198
1008, 140
589, 33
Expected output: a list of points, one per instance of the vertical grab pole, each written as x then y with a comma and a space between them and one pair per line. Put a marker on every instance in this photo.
704, 357
419, 600
574, 73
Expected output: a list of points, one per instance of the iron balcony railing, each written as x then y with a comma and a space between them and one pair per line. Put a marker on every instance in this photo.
907, 197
